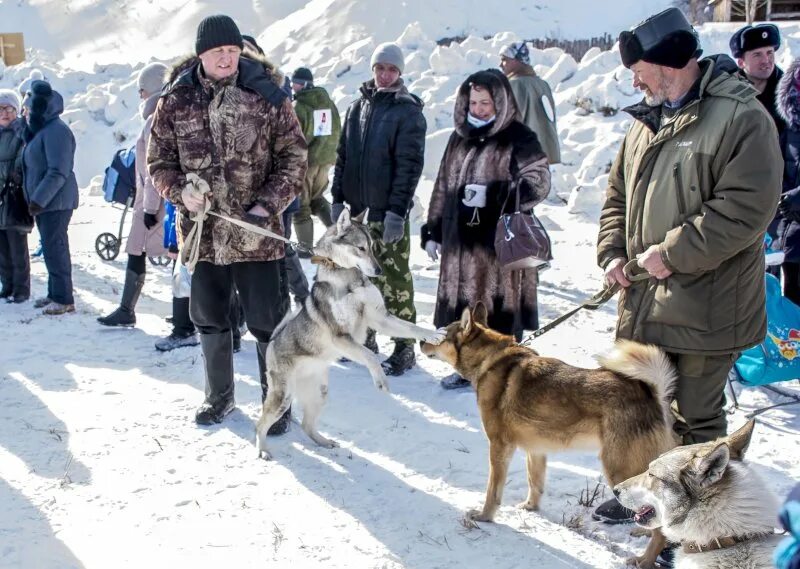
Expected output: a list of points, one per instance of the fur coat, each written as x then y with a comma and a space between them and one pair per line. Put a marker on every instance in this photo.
787, 102
494, 155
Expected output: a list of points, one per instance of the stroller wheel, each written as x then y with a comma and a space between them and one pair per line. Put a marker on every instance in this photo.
160, 261
107, 246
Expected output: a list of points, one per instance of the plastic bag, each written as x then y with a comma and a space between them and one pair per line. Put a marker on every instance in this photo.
181, 280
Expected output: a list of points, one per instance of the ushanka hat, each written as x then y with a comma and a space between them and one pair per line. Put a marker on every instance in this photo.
754, 37
666, 39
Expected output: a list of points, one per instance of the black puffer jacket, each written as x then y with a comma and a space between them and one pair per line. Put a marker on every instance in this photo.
381, 152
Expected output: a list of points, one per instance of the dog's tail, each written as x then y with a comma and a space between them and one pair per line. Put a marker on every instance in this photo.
646, 363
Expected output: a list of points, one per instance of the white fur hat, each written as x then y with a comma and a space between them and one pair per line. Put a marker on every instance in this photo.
152, 77
9, 98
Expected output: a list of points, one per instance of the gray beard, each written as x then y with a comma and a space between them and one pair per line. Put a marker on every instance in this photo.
654, 100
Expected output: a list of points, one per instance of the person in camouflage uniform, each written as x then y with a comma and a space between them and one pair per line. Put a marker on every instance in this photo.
319, 119
379, 162
224, 118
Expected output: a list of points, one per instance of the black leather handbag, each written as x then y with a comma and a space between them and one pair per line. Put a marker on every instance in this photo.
14, 214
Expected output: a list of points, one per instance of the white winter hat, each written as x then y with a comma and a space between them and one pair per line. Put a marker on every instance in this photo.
388, 53
152, 77
9, 98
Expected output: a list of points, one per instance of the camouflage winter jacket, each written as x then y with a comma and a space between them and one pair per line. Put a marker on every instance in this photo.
240, 135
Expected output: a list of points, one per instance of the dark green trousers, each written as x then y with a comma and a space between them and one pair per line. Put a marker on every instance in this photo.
699, 400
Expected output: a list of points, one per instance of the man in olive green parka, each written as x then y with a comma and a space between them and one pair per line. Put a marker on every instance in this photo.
690, 194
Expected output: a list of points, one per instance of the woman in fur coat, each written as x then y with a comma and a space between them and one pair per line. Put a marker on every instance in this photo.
489, 153
788, 104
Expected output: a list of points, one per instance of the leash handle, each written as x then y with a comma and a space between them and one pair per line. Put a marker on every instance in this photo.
634, 272
592, 303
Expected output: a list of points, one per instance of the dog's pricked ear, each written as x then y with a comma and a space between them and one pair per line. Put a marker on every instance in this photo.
480, 314
713, 465
740, 440
466, 321
360, 217
343, 222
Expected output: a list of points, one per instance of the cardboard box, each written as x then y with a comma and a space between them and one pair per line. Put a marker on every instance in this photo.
12, 48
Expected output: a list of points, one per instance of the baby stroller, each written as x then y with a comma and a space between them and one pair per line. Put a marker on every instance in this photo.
119, 189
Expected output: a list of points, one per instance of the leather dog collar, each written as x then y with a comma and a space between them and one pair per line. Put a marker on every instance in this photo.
324, 261
719, 543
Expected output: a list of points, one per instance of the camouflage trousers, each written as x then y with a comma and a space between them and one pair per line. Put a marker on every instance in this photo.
395, 282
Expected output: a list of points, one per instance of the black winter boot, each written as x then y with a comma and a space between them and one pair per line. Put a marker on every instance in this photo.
218, 358
666, 559
611, 512
401, 360
371, 343
454, 381
281, 425
305, 231
125, 315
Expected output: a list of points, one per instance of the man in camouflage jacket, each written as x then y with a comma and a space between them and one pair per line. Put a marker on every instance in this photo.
224, 118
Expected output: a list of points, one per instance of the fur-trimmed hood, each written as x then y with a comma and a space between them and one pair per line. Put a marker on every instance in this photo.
787, 96
506, 111
183, 73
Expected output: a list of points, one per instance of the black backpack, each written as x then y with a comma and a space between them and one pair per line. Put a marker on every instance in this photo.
119, 184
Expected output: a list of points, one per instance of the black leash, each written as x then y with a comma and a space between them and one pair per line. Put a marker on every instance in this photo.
633, 272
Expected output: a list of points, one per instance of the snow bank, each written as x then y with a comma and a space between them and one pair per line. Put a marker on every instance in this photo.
102, 104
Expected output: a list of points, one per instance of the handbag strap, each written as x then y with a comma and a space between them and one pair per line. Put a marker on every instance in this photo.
515, 188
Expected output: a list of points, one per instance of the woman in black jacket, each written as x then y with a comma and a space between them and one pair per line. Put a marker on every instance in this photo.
15, 222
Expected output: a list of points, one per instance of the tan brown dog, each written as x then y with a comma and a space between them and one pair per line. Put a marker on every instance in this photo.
545, 405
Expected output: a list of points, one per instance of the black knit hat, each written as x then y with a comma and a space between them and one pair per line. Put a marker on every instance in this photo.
754, 37
303, 76
216, 31
666, 39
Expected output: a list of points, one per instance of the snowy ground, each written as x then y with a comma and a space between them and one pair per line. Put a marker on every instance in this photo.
101, 465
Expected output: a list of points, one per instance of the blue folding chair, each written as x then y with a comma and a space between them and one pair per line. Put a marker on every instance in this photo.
776, 359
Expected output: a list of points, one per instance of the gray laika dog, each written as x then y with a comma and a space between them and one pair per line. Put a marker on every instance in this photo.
332, 323
707, 499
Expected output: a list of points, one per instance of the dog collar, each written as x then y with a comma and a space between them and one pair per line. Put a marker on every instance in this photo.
324, 261
720, 543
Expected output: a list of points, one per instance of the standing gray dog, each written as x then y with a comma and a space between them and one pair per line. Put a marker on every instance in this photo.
332, 323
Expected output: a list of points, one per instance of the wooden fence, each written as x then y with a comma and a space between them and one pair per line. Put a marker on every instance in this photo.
576, 48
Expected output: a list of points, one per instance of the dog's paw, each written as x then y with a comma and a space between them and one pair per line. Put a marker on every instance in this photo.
528, 505
324, 442
264, 454
640, 563
639, 531
436, 337
478, 516
382, 384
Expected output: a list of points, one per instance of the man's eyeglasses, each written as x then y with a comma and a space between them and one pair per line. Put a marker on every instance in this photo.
8, 110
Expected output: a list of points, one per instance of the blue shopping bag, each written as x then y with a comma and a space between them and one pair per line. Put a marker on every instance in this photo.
778, 357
